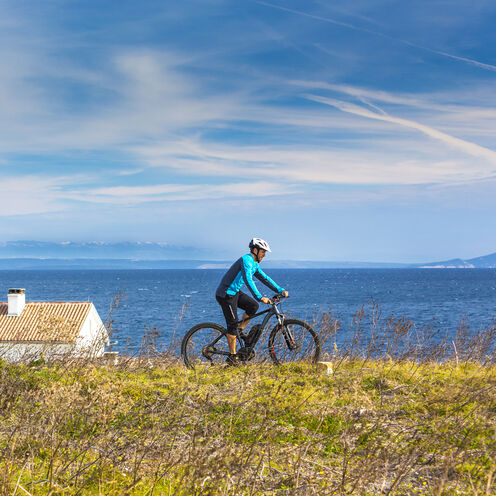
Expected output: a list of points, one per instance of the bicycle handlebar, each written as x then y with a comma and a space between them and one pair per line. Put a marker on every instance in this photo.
277, 297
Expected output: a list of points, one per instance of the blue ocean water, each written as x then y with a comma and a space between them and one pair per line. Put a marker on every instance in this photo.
156, 298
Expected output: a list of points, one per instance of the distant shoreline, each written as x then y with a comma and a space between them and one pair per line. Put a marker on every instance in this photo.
36, 255
139, 264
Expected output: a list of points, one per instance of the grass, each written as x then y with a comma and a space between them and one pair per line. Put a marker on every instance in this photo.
153, 427
406, 411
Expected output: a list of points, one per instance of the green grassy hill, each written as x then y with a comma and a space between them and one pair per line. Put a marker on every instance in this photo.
143, 428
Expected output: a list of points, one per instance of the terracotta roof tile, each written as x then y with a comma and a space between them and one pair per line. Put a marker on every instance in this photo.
45, 322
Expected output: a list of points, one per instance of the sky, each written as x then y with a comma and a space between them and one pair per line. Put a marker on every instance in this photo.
362, 130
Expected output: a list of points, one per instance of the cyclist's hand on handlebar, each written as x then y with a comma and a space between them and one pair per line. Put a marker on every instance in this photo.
266, 300
284, 294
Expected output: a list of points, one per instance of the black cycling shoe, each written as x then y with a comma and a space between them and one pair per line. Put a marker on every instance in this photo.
233, 360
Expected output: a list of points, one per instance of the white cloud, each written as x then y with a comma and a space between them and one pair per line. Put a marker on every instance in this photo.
298, 165
176, 192
160, 114
28, 195
465, 146
382, 96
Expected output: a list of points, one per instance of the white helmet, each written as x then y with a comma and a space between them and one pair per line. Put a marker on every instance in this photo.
259, 243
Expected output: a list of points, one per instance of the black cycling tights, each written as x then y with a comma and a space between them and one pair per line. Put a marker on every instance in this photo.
230, 305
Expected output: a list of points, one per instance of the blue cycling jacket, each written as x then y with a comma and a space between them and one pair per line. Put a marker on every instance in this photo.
242, 272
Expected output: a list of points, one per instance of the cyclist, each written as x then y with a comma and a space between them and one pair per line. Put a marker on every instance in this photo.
230, 297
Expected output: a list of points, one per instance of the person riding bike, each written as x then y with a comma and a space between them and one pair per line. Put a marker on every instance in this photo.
230, 297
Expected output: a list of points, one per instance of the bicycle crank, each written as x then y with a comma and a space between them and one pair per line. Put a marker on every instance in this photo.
208, 351
246, 353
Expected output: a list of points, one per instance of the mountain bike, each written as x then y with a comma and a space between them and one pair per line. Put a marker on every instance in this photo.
289, 340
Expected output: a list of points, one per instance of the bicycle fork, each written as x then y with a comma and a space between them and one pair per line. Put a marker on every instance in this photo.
286, 331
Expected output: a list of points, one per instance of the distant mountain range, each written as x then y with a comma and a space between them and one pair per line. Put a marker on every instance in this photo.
31, 255
128, 263
485, 262
70, 249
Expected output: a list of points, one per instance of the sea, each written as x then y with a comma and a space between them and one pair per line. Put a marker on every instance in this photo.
166, 303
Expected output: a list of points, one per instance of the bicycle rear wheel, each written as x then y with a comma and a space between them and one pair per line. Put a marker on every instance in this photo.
294, 341
204, 344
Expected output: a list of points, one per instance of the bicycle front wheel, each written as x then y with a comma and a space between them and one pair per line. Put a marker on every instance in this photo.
204, 344
294, 341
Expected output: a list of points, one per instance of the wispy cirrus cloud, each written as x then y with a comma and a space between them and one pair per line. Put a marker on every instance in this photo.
147, 95
207, 107
30, 195
154, 95
373, 32
411, 100
132, 195
463, 145
311, 166
467, 112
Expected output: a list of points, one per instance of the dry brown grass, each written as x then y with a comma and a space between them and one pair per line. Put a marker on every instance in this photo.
403, 413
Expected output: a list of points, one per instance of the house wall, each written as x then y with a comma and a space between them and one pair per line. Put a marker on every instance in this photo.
27, 352
93, 336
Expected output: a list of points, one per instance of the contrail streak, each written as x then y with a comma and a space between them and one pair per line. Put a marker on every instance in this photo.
477, 63
466, 146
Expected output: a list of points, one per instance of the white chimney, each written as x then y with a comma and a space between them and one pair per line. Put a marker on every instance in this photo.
17, 302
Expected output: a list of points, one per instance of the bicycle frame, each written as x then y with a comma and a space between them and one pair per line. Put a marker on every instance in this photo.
274, 310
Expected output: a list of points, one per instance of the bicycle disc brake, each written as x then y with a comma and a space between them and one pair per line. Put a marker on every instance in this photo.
291, 343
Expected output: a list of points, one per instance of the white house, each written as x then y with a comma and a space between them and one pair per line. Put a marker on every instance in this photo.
49, 329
